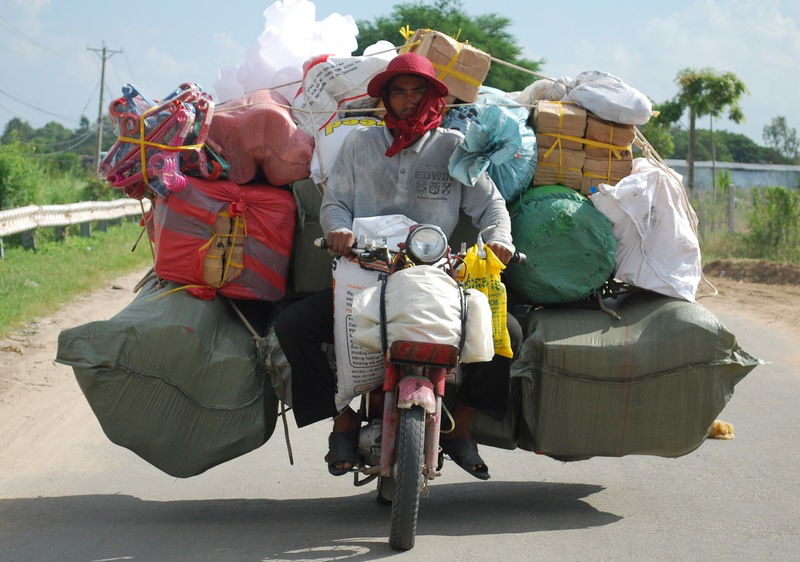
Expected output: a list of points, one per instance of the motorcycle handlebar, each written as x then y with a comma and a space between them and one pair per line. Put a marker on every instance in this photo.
517, 257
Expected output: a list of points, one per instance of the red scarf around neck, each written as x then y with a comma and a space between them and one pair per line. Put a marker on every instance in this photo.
405, 131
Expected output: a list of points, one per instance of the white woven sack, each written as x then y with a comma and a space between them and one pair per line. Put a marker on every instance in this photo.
359, 370
329, 140
657, 248
338, 83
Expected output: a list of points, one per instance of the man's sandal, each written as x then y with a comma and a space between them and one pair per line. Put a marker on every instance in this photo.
464, 452
341, 449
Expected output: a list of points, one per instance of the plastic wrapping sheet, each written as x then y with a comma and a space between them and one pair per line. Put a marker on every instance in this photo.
570, 246
497, 140
651, 383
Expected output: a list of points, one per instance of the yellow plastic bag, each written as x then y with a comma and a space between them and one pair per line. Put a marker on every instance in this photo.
484, 275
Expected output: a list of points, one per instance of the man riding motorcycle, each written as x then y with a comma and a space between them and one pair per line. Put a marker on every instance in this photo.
397, 169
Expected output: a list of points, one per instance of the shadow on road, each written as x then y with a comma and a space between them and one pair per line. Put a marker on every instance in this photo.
119, 527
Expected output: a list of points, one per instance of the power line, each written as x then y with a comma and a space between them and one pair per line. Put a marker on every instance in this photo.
24, 35
37, 108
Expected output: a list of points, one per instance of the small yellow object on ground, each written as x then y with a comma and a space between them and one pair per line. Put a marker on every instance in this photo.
721, 430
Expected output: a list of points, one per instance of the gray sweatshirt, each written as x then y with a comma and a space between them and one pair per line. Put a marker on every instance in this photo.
366, 183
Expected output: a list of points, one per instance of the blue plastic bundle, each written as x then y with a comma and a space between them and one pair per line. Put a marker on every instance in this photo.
497, 140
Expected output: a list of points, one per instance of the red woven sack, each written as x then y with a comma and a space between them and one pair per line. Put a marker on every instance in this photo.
187, 232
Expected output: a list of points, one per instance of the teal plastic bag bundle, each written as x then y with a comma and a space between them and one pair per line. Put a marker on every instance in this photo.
175, 379
497, 140
570, 246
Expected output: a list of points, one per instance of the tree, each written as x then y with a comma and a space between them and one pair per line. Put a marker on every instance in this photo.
486, 32
657, 130
706, 92
779, 136
17, 130
730, 147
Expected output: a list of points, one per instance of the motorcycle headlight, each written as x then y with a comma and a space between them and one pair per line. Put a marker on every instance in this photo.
426, 243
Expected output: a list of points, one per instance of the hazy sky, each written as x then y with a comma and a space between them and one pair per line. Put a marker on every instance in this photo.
48, 73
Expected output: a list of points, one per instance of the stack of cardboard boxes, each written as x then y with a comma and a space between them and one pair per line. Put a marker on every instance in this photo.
578, 149
560, 128
460, 66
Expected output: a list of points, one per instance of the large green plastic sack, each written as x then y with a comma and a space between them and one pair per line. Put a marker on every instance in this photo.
651, 383
174, 379
570, 246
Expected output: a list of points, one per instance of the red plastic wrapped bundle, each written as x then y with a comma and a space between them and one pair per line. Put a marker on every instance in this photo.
256, 133
220, 237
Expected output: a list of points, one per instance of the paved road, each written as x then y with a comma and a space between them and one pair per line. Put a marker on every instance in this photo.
67, 493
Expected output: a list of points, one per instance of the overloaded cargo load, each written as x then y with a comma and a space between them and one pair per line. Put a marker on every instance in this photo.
651, 383
220, 237
570, 246
175, 379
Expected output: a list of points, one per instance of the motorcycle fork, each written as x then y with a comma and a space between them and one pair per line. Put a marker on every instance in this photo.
435, 377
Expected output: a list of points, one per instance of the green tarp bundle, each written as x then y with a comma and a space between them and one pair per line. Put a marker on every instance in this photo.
570, 246
173, 378
651, 383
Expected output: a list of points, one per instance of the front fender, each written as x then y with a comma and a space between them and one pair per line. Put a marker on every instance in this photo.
416, 391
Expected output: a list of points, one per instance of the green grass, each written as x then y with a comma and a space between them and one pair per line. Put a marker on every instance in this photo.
33, 284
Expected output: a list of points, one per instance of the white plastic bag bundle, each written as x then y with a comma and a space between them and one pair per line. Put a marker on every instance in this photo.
291, 36
359, 369
610, 98
423, 304
338, 83
657, 248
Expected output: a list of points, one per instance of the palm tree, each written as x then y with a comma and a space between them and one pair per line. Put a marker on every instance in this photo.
706, 92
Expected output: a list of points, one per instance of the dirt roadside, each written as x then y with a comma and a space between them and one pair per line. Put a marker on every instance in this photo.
27, 356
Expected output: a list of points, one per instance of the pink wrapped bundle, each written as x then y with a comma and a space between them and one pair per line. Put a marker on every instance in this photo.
256, 134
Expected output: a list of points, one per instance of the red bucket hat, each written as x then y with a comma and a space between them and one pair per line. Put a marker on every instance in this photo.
407, 63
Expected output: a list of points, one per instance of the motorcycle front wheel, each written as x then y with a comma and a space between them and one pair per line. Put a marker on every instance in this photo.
408, 478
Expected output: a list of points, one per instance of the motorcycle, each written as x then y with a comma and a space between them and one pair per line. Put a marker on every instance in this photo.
401, 421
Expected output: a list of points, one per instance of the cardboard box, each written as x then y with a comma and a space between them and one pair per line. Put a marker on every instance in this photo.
610, 133
562, 167
551, 118
603, 170
461, 67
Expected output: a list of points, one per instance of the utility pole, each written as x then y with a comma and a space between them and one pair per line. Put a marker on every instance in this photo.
105, 54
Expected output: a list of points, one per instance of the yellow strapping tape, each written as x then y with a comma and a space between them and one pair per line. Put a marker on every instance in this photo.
614, 148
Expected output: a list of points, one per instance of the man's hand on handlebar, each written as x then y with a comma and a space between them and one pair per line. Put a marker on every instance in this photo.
502, 253
340, 241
